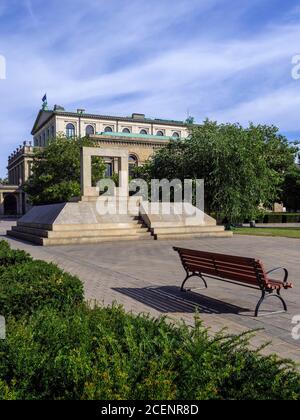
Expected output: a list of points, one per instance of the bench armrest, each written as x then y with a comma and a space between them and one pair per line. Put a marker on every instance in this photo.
286, 273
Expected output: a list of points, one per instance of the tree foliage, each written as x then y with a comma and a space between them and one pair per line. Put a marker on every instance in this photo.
243, 168
291, 189
3, 181
56, 171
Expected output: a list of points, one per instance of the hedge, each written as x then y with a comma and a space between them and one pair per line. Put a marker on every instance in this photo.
26, 287
279, 218
11, 257
107, 354
264, 218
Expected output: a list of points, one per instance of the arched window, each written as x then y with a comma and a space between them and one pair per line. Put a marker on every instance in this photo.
70, 131
133, 163
126, 130
160, 133
89, 131
176, 135
145, 132
108, 130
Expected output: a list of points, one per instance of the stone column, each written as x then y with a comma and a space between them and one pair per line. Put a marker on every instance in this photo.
19, 203
123, 177
116, 165
1, 204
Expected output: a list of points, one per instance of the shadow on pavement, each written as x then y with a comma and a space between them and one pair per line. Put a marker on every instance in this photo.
168, 299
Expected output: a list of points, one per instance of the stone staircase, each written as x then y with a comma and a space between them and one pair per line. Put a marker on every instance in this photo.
188, 232
45, 235
80, 223
165, 222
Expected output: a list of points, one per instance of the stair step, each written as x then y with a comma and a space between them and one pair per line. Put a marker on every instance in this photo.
180, 236
94, 240
85, 233
78, 227
187, 229
26, 237
77, 240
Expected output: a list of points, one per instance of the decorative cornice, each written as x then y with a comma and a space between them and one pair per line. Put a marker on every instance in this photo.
59, 113
132, 141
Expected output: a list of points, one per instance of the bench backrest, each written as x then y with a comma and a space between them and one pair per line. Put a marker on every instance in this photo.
239, 269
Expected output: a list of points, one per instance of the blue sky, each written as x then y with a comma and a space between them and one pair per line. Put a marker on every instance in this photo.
226, 60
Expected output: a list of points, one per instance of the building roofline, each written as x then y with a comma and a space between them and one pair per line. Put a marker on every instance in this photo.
35, 125
61, 113
118, 118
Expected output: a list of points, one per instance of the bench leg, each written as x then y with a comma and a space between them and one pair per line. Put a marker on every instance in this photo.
260, 302
188, 277
264, 296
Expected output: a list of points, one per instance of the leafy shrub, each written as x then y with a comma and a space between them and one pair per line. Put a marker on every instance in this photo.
26, 287
279, 218
104, 353
12, 257
5, 392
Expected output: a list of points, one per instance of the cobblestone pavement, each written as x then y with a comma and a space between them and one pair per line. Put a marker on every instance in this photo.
145, 277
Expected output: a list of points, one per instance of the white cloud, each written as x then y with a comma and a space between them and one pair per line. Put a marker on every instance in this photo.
158, 57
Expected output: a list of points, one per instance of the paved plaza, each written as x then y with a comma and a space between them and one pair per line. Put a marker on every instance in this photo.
145, 276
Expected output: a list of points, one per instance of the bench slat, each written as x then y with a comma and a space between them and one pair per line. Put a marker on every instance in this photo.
226, 275
209, 255
220, 265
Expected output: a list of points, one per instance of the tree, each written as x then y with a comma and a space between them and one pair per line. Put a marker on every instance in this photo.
3, 181
291, 189
56, 171
243, 169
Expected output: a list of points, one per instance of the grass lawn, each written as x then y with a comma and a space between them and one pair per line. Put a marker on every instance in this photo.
265, 231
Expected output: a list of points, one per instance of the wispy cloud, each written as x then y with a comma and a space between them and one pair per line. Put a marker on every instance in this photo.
29, 9
159, 57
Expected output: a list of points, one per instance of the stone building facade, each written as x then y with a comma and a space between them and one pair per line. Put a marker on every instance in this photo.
138, 135
80, 124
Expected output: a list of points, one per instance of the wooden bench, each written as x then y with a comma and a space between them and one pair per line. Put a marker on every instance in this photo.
248, 272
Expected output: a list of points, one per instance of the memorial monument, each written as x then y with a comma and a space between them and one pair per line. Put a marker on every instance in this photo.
84, 222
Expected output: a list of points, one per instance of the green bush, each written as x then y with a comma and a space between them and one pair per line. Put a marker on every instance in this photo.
26, 287
11, 257
279, 218
6, 393
104, 353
